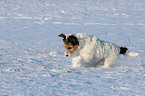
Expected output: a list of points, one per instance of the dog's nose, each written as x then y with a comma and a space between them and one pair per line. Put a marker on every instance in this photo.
66, 55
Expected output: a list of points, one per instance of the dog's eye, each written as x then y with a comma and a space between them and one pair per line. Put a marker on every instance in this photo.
69, 47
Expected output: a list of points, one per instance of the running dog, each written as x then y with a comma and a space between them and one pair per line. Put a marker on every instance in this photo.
90, 50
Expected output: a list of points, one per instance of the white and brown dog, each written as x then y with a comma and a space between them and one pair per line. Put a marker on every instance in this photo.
90, 50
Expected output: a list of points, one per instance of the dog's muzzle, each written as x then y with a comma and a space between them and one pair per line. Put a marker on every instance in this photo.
68, 54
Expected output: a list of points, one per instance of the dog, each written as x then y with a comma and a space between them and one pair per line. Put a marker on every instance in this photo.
90, 50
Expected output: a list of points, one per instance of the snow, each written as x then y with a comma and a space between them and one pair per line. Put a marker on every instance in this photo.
32, 61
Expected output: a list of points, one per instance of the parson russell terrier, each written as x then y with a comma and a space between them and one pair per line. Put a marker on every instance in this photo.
90, 50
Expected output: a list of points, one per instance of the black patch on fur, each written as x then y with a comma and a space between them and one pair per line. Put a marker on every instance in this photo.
63, 36
72, 39
123, 50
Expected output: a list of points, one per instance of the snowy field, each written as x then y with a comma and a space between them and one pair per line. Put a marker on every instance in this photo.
32, 61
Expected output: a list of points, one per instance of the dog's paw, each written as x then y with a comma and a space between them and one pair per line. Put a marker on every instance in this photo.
77, 61
106, 66
76, 66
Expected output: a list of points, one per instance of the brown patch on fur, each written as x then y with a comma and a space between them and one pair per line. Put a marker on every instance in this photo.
70, 48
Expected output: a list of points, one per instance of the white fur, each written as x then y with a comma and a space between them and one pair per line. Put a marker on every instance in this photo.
92, 50
129, 53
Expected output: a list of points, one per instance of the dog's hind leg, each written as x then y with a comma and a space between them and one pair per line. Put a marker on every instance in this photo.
109, 62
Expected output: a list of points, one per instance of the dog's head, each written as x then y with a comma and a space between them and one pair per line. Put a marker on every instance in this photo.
70, 43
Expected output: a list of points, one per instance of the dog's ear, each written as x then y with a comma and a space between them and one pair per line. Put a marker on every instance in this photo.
62, 35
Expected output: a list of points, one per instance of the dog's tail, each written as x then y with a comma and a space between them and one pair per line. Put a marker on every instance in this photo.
124, 51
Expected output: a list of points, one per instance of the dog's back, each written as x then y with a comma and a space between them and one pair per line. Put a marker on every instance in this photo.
92, 43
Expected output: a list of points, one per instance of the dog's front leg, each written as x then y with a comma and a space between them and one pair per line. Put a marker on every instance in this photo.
77, 61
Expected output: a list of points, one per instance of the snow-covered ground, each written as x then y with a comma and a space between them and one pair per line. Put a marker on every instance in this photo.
32, 61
